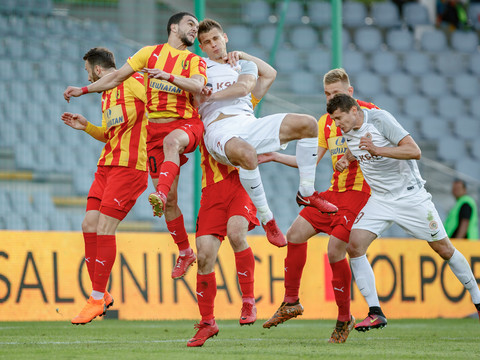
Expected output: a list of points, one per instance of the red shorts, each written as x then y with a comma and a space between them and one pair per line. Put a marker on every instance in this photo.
156, 132
116, 189
220, 202
349, 204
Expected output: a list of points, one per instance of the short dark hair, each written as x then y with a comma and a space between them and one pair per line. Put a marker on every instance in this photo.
461, 182
100, 56
341, 102
208, 24
176, 18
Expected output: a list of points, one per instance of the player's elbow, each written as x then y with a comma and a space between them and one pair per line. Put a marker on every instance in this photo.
417, 154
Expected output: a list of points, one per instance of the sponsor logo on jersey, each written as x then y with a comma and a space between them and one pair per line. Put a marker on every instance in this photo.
114, 116
164, 86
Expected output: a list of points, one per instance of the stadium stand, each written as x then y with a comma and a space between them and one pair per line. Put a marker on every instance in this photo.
427, 77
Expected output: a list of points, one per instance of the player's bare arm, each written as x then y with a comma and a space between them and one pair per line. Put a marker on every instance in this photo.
406, 149
193, 85
75, 121
106, 82
266, 73
242, 87
79, 122
285, 159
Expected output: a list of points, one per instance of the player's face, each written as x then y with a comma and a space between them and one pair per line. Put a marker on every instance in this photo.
92, 76
214, 44
337, 88
187, 30
346, 121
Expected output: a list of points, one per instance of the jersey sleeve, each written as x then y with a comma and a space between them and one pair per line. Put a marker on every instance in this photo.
96, 132
322, 141
248, 68
390, 127
139, 60
199, 67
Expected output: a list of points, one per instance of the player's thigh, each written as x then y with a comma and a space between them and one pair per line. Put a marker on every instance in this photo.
418, 216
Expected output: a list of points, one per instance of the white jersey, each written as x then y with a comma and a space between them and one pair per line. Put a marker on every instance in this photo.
386, 176
221, 76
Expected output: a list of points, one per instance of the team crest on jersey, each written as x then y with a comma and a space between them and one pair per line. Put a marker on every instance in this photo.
433, 225
119, 94
185, 64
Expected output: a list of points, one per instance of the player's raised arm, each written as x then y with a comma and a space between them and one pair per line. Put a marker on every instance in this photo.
266, 73
107, 82
193, 85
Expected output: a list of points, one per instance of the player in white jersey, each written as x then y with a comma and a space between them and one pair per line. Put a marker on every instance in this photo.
234, 136
386, 154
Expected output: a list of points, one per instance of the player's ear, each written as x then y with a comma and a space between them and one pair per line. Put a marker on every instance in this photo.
225, 37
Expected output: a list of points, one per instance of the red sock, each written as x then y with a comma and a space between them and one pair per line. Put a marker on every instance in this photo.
106, 253
206, 292
341, 279
245, 263
167, 174
178, 232
294, 264
90, 240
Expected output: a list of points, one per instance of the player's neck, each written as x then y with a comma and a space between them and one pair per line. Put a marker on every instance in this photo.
106, 72
359, 120
177, 43
220, 60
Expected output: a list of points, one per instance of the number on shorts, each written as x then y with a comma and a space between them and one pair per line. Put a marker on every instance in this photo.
152, 163
359, 216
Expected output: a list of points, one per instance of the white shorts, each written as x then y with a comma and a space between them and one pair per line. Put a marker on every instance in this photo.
414, 213
262, 133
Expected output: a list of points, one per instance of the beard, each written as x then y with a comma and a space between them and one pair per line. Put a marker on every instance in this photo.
185, 40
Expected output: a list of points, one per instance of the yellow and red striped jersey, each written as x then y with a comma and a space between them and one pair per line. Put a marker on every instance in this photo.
330, 137
212, 170
163, 98
123, 125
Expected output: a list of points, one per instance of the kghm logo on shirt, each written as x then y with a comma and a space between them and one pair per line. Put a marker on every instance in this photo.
367, 158
114, 116
164, 86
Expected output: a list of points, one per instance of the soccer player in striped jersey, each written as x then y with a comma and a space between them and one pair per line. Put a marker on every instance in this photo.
174, 127
349, 192
121, 173
226, 209
387, 155
234, 136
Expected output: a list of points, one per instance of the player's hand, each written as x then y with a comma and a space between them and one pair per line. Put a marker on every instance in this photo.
267, 157
204, 95
342, 164
72, 91
233, 57
156, 74
75, 121
366, 143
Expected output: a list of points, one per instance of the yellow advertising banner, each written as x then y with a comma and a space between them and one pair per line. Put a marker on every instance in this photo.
43, 277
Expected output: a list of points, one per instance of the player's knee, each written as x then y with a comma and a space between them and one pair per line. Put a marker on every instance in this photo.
205, 262
354, 250
294, 237
89, 226
308, 126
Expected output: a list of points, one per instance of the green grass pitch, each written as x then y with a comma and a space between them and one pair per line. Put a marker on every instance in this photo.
295, 339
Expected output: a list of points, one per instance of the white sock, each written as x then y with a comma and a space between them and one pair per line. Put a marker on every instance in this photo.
188, 251
307, 154
365, 279
252, 183
97, 295
463, 272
